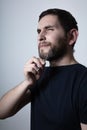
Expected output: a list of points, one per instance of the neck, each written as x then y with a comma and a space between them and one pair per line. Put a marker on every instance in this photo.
66, 60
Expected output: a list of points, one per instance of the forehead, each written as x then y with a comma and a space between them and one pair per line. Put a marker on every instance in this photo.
48, 20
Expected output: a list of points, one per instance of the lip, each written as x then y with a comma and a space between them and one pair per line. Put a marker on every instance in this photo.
44, 44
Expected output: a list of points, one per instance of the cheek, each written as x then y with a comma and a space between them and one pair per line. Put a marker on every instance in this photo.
52, 38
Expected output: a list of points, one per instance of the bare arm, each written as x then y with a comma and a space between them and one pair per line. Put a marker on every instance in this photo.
19, 96
83, 126
14, 100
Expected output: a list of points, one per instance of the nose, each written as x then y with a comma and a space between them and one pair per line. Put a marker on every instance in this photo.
41, 36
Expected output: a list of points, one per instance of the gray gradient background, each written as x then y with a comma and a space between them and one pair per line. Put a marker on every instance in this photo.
18, 42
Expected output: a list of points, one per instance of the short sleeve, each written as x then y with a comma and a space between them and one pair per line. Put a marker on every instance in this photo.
83, 100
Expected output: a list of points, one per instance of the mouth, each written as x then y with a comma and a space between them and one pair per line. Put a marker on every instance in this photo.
43, 45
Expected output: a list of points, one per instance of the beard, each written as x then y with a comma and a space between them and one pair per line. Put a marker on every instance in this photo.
56, 51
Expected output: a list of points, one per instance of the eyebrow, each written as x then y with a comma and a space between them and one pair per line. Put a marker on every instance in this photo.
49, 26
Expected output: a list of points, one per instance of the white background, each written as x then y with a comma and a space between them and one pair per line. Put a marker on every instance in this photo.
18, 42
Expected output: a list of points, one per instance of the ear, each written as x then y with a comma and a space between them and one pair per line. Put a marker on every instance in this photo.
72, 36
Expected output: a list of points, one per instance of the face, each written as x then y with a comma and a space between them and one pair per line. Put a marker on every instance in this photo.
52, 42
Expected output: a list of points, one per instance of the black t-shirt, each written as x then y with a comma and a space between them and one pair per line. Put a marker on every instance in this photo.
59, 99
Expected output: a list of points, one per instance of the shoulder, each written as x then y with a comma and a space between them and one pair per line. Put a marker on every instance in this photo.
81, 71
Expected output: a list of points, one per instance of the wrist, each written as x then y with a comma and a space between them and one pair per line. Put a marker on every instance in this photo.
27, 83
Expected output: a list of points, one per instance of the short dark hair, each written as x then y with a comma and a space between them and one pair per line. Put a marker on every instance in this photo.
66, 19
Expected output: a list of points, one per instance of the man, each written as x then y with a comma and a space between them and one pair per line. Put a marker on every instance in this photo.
57, 93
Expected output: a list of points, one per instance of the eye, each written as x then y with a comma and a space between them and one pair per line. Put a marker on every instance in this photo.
38, 31
50, 29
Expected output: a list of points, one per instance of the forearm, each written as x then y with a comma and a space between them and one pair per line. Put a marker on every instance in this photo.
83, 126
10, 101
